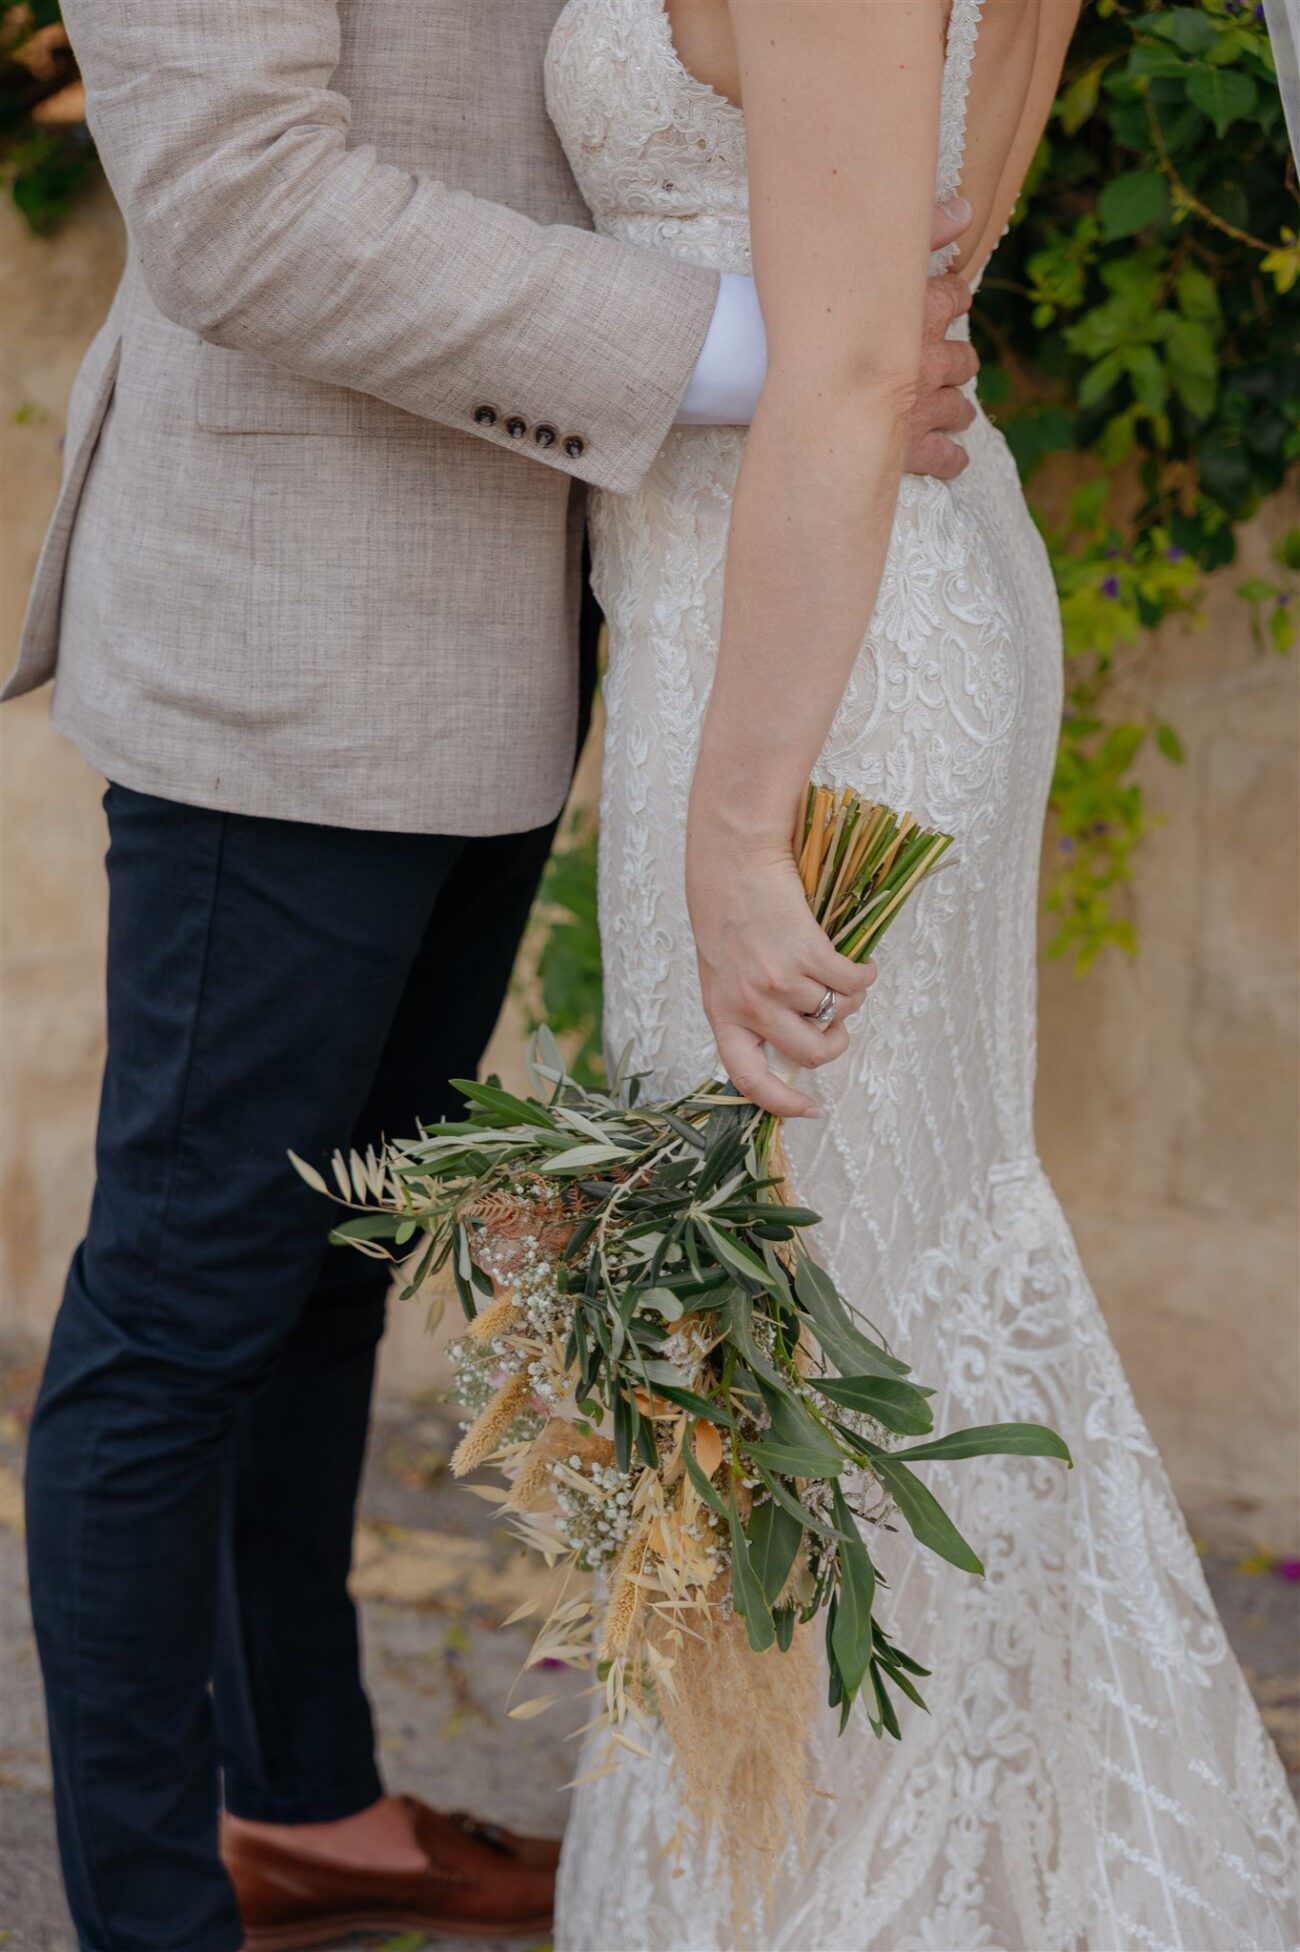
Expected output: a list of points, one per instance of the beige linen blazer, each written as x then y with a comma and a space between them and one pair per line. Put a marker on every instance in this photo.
317, 550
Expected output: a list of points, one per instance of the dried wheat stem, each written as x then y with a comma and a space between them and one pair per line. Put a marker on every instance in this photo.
498, 1318
490, 1426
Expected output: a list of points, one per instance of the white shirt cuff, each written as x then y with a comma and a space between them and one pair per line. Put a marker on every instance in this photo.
731, 368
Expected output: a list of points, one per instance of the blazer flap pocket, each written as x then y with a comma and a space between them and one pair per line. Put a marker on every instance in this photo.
242, 393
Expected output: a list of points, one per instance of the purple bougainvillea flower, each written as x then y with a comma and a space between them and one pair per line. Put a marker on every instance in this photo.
1287, 1569
1110, 587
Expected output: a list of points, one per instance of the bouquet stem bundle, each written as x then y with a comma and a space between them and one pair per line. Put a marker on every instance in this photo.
859, 863
675, 1391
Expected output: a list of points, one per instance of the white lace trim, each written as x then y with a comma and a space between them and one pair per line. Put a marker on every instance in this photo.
959, 59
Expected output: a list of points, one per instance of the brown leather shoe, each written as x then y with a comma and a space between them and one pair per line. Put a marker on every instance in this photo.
481, 1882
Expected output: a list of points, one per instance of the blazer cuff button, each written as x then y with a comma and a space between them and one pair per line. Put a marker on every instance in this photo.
485, 416
574, 446
545, 436
516, 427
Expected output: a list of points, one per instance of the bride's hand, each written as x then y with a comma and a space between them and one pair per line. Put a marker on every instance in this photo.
765, 965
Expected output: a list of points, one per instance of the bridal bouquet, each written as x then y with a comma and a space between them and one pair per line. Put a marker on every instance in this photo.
675, 1392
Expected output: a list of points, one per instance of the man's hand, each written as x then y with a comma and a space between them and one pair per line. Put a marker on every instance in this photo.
941, 410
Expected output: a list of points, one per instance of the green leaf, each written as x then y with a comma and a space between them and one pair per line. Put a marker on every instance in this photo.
706, 1488
851, 1633
622, 1429
1197, 297
1101, 379
368, 1226
734, 1254
581, 1158
1132, 201
1169, 743
1226, 95
1088, 503
847, 1347
1153, 61
927, 1518
900, 1406
1193, 31
794, 1459
793, 1423
884, 1706
700, 1406
1282, 629
988, 1440
746, 1591
1147, 374
738, 1312
774, 1537
781, 1491
1080, 99
509, 1110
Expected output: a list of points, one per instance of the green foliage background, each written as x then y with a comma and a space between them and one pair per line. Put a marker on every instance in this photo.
45, 165
1140, 326
1139, 331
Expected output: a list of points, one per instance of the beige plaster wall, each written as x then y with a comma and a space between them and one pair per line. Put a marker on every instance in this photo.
1168, 1098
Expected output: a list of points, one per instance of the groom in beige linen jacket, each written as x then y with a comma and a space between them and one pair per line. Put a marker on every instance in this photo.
311, 599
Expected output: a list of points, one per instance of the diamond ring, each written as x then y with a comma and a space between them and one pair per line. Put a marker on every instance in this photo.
824, 1015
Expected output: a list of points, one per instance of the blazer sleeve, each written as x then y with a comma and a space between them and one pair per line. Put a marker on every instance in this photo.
260, 225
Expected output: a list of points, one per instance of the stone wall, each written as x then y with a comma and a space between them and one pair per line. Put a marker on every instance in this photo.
1168, 1097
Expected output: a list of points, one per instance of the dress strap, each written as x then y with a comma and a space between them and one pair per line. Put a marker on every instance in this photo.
963, 32
959, 56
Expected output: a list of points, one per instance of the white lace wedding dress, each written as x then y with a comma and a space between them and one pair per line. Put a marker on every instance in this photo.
1093, 1775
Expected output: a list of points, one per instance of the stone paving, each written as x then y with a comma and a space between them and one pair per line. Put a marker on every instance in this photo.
436, 1579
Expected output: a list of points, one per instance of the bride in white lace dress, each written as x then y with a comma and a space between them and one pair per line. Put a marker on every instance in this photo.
1092, 1775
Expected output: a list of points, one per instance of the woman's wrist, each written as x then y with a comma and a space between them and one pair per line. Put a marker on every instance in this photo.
741, 811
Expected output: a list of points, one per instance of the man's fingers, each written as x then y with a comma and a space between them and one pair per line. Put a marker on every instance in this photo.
944, 412
742, 1055
937, 456
946, 362
946, 298
951, 221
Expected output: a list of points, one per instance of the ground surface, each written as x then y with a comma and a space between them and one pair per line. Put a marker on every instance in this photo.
435, 1582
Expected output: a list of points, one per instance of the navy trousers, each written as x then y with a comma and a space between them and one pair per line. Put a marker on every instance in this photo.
200, 1431
201, 1425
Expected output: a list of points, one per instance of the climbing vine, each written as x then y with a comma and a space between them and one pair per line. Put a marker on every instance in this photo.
1139, 331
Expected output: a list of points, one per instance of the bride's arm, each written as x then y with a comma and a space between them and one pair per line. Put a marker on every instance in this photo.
842, 108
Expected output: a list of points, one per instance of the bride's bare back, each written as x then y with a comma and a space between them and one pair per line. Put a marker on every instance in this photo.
1022, 48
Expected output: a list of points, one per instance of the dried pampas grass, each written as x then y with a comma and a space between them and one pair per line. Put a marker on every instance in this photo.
739, 1722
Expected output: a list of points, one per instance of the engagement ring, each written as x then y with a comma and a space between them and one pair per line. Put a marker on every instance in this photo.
824, 1015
